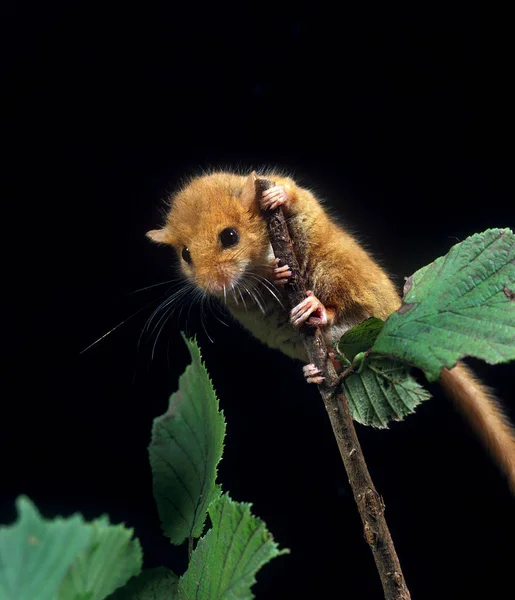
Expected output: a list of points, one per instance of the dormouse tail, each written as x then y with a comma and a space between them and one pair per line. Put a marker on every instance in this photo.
485, 415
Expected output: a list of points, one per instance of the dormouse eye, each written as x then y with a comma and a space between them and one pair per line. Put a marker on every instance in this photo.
186, 255
229, 237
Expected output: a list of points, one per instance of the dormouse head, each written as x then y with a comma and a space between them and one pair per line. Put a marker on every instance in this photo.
216, 228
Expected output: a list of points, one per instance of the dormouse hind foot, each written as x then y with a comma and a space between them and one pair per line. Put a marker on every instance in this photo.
312, 374
280, 275
274, 197
310, 311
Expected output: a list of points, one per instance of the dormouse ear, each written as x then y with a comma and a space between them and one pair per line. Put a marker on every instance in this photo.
159, 236
248, 195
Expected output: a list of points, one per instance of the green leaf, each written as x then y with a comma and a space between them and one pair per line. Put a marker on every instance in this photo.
460, 305
382, 392
150, 584
226, 559
108, 562
35, 553
359, 338
186, 447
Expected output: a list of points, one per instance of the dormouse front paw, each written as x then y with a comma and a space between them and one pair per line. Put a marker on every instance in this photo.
280, 275
274, 197
310, 311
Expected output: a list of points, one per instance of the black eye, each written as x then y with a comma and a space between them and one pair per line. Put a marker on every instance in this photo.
186, 255
229, 237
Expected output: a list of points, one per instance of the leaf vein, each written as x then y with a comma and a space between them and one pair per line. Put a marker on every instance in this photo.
179, 478
187, 454
228, 551
243, 552
370, 401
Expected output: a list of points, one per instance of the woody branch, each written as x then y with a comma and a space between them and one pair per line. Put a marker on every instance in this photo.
370, 504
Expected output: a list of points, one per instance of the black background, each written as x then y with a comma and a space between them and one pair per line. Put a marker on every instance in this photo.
399, 116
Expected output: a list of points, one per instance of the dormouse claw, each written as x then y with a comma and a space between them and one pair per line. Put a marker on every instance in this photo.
280, 274
312, 374
310, 311
274, 197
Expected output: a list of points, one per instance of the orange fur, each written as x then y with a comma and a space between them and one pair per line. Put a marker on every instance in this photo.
342, 275
485, 416
199, 212
340, 272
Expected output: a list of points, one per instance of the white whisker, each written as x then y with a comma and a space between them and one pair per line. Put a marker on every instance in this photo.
255, 291
242, 298
153, 286
267, 285
253, 296
216, 305
167, 306
169, 300
120, 324
204, 300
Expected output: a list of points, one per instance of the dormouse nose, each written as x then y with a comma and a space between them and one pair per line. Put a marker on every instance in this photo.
213, 279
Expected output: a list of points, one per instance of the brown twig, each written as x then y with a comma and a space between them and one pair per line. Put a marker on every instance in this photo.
370, 504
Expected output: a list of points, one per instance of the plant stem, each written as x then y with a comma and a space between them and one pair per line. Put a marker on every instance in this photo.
370, 504
190, 547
